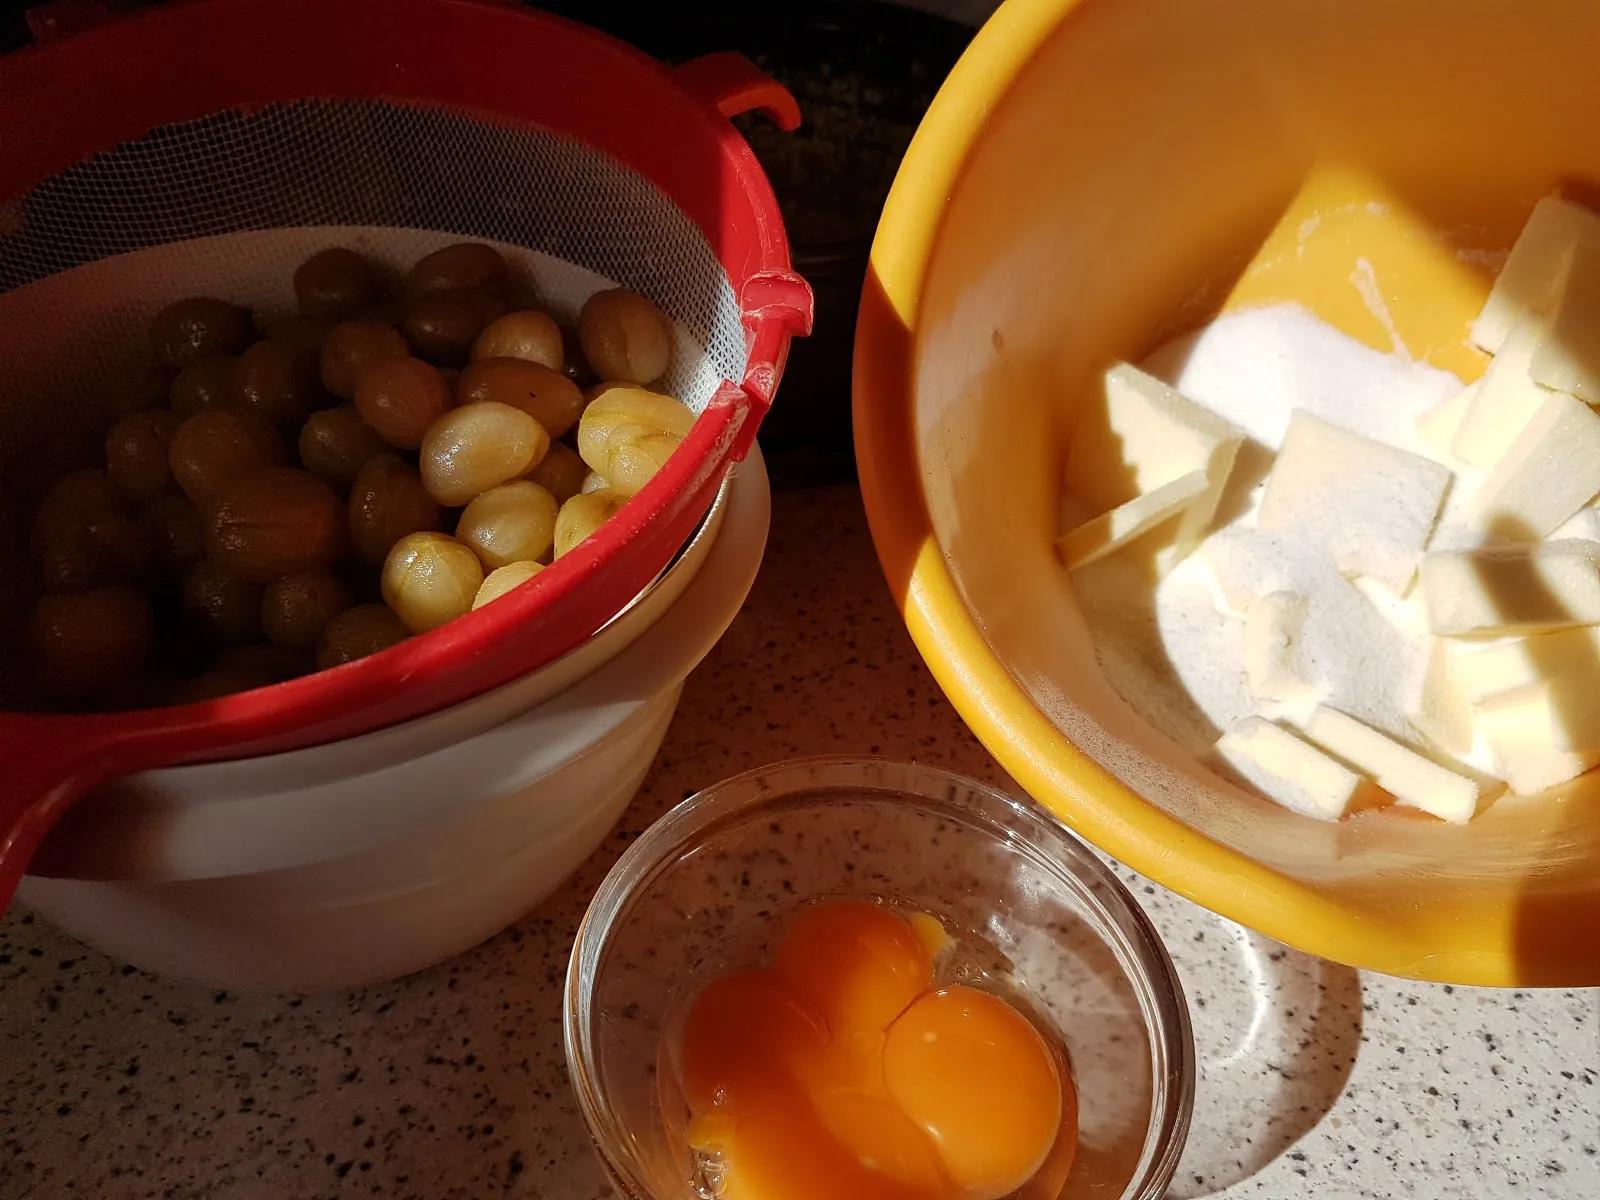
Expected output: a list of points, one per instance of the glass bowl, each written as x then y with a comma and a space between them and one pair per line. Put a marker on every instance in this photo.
703, 890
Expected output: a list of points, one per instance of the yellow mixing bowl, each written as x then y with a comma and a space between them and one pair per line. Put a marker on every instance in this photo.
1092, 177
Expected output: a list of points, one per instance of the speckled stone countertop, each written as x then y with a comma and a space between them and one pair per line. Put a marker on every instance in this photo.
1315, 1080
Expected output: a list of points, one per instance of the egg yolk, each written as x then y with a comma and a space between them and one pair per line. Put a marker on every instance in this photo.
838, 1071
957, 1044
858, 963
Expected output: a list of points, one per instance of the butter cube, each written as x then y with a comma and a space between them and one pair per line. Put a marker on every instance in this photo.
1289, 771
1145, 436
1524, 756
1550, 471
1412, 779
1096, 538
1505, 398
1371, 505
1439, 424
1509, 591
1440, 711
1519, 664
1530, 774
1583, 525
1559, 714
1530, 281
1568, 359
1272, 623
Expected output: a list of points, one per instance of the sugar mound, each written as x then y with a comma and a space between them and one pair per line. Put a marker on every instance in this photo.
1178, 657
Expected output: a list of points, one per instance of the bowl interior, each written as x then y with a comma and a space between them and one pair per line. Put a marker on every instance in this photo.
702, 893
1124, 177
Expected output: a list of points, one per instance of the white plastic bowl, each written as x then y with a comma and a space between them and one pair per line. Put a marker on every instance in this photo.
374, 857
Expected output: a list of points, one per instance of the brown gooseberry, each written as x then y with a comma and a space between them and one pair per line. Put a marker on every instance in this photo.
336, 443
547, 396
336, 282
222, 607
400, 398
175, 531
277, 381
276, 521
442, 326
85, 644
458, 266
136, 453
204, 383
388, 501
561, 473
213, 449
296, 609
625, 337
358, 632
350, 347
190, 329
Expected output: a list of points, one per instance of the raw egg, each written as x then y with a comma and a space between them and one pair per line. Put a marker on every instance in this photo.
840, 1070
858, 963
958, 1043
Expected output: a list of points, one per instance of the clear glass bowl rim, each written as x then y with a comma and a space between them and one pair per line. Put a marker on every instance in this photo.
1118, 917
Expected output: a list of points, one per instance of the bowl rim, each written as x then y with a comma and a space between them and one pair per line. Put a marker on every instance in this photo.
1138, 947
218, 772
1469, 940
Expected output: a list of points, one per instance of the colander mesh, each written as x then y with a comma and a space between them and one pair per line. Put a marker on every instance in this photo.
374, 164
228, 205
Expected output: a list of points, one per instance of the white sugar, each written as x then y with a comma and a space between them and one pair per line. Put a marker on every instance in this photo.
1177, 654
1371, 505
1256, 367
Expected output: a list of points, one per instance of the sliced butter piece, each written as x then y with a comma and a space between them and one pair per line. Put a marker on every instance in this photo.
1413, 780
1272, 624
1371, 505
1512, 591
1531, 279
1530, 774
1096, 538
1561, 714
1289, 771
1505, 398
1517, 664
1524, 757
1568, 358
1440, 711
1583, 525
1439, 424
1142, 436
1550, 471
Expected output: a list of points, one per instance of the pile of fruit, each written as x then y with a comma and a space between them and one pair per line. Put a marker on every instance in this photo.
292, 498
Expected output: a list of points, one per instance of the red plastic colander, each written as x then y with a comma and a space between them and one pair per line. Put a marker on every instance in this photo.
208, 146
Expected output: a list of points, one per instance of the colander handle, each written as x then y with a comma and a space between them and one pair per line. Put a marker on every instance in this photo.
732, 84
775, 307
47, 771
